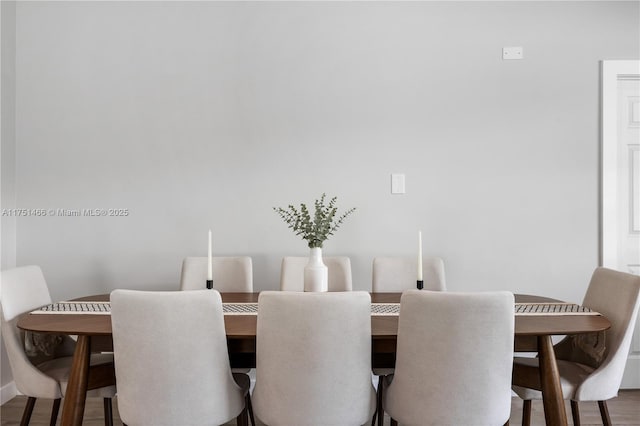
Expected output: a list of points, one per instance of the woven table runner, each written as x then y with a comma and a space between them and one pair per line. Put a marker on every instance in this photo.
377, 309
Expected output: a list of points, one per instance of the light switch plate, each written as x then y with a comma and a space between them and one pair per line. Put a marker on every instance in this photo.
513, 52
397, 183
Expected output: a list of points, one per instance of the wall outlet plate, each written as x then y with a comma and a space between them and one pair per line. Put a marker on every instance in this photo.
513, 52
397, 183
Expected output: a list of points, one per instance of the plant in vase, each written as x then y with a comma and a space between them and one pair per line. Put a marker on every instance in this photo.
315, 230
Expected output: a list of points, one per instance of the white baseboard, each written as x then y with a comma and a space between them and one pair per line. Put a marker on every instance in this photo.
8, 392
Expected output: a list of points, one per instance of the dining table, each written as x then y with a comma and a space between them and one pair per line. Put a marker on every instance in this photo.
532, 333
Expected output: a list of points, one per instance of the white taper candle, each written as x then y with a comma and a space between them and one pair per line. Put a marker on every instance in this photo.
209, 261
419, 255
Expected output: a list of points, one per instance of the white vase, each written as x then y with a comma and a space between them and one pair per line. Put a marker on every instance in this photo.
316, 276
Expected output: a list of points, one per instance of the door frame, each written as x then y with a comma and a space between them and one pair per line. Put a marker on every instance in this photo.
611, 72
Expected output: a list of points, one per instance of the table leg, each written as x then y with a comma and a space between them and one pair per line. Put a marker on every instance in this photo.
73, 409
552, 397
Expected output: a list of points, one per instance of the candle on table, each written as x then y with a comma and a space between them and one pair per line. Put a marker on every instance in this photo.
419, 255
210, 261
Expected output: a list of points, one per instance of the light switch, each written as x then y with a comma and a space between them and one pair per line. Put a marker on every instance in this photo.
514, 52
397, 183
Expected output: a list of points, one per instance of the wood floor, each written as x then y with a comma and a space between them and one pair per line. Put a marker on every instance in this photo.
625, 410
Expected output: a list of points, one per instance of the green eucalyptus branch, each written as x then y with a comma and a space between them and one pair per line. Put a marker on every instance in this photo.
317, 230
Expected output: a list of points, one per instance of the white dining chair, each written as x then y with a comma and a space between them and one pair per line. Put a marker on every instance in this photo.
313, 359
395, 275
230, 274
453, 360
591, 366
171, 359
339, 273
43, 375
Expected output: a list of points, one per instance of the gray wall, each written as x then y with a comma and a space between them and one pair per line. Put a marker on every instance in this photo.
206, 115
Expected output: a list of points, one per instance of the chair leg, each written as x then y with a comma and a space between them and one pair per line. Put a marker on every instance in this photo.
243, 418
250, 410
604, 413
54, 411
526, 412
575, 413
108, 412
28, 410
380, 410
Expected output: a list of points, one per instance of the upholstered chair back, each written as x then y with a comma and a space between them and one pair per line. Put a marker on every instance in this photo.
23, 290
616, 295
40, 370
230, 274
454, 359
397, 274
171, 359
314, 359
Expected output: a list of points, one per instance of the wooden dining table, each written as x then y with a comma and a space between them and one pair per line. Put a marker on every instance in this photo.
532, 333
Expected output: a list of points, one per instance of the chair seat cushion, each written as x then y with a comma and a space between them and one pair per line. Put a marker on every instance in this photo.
572, 375
59, 369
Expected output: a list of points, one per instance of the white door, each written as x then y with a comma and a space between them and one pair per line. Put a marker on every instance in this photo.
621, 182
